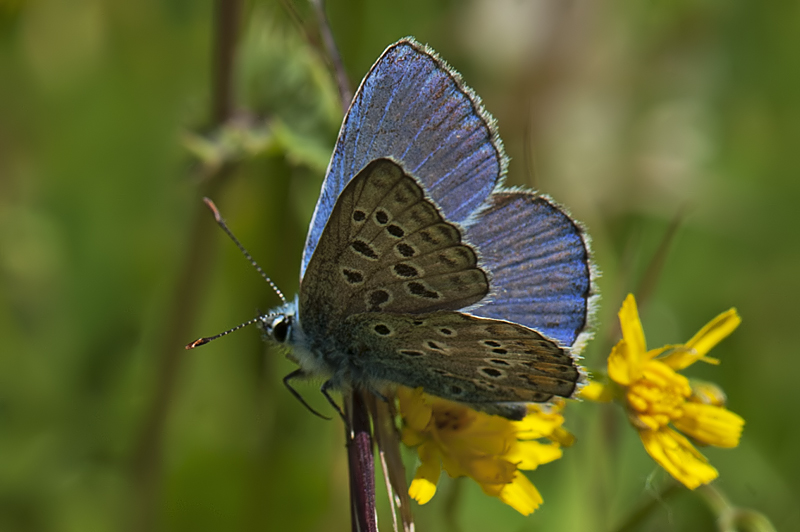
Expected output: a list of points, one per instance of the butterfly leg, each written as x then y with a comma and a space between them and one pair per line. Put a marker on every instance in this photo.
300, 373
378, 394
327, 385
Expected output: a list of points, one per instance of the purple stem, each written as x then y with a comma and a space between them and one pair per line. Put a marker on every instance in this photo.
358, 434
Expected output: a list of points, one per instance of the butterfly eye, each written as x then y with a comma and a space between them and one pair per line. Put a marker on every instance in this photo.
280, 328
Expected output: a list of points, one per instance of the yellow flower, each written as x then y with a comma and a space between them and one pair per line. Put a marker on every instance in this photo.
659, 400
489, 449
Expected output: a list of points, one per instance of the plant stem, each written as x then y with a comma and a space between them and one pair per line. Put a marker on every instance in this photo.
147, 460
345, 92
637, 518
360, 457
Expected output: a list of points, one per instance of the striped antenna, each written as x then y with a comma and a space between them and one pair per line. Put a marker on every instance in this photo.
223, 225
206, 339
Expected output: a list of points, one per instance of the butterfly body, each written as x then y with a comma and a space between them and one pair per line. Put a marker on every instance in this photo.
420, 269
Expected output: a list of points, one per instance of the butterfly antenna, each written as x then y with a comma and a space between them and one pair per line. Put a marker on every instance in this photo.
224, 226
205, 340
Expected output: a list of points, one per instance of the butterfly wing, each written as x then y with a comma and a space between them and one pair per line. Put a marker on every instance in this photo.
414, 108
541, 277
385, 268
489, 364
387, 248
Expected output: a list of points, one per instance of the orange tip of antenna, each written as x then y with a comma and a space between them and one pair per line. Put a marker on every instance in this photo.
213, 208
197, 343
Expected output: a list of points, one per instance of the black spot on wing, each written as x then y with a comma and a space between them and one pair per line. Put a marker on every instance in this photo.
405, 250
419, 290
405, 270
364, 249
395, 231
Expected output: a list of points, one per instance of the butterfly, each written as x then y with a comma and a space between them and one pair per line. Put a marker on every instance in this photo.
420, 269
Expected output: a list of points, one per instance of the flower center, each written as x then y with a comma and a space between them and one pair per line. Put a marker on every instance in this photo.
452, 419
658, 396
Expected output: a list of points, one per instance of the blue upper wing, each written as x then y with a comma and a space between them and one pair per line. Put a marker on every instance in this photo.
539, 261
413, 108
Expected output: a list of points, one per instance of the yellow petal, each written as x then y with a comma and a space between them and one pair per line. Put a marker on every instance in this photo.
623, 366
412, 438
521, 495
562, 437
545, 421
477, 433
678, 456
537, 424
415, 410
423, 487
598, 392
631, 326
455, 465
492, 490
682, 357
531, 454
422, 490
710, 424
707, 393
713, 333
490, 470
654, 353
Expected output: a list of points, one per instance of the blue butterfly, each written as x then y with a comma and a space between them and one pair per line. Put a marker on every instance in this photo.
420, 269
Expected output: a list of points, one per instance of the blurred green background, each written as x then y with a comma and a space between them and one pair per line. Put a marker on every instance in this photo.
627, 112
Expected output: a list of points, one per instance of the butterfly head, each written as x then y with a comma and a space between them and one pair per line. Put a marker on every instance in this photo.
280, 324
278, 328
